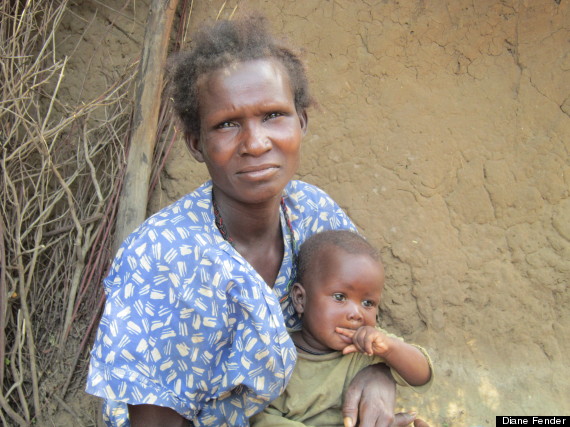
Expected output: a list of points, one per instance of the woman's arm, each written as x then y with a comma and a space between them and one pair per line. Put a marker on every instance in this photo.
156, 416
370, 399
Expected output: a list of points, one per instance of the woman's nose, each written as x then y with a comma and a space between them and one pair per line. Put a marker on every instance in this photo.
255, 140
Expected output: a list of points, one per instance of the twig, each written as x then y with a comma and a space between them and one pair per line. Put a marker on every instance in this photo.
57, 164
67, 228
3, 303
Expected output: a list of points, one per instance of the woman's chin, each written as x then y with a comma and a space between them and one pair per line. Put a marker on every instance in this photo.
261, 192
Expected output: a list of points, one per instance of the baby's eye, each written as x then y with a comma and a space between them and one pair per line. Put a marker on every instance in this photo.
339, 297
368, 303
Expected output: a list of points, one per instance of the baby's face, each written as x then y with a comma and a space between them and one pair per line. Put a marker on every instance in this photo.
344, 291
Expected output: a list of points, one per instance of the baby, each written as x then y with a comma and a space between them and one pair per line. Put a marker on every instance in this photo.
340, 282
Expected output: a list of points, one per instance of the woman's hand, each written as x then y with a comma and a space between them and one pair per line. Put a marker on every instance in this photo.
370, 399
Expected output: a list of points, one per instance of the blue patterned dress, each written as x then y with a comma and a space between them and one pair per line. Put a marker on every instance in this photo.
190, 325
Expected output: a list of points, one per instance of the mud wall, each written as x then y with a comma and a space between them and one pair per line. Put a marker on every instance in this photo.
443, 129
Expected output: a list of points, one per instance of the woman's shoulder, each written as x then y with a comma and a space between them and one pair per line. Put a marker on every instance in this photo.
180, 221
313, 210
303, 192
190, 205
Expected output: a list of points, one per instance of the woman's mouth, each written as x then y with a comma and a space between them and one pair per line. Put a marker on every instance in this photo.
258, 172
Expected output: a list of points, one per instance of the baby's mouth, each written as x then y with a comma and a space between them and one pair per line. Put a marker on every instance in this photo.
344, 338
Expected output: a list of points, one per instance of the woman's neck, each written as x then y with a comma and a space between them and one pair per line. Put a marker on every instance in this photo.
255, 232
249, 224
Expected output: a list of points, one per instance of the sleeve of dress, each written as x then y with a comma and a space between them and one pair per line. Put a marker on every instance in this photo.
153, 345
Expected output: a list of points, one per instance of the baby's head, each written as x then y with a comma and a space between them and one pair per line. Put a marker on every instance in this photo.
340, 282
225, 43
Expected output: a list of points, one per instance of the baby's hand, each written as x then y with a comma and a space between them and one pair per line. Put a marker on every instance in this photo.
366, 339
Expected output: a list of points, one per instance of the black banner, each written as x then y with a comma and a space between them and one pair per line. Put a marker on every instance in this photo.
533, 420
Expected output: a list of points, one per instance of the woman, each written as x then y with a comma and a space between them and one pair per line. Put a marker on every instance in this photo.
197, 306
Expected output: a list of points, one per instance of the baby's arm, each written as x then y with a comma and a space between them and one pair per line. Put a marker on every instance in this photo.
404, 358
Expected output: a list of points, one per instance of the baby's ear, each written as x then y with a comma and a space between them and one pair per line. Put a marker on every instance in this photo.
298, 297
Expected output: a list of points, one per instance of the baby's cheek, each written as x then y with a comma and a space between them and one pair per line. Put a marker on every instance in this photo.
370, 319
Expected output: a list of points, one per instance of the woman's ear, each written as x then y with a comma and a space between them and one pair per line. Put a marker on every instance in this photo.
298, 296
304, 120
194, 146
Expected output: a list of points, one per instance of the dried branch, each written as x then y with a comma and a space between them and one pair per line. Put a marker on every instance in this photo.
59, 166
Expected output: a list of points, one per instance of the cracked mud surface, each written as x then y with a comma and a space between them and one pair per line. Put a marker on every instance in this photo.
444, 131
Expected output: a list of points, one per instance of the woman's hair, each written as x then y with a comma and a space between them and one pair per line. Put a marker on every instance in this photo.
349, 241
221, 44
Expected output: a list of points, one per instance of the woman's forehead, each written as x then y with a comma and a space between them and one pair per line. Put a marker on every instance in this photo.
239, 76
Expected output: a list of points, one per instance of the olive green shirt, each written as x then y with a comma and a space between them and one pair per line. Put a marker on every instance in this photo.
313, 397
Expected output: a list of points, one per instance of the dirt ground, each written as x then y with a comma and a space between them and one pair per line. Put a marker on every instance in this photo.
443, 129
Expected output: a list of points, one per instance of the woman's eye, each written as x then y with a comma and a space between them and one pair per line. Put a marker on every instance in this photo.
273, 115
224, 125
339, 297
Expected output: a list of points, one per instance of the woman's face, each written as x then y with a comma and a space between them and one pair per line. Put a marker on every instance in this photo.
250, 131
342, 289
